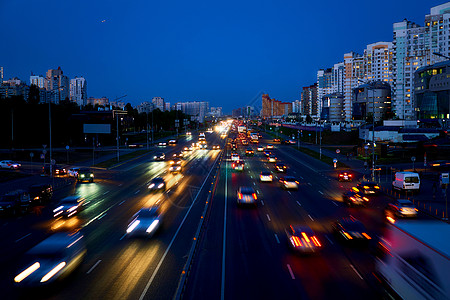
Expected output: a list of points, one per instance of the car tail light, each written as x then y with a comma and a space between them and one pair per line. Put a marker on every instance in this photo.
377, 187
349, 175
270, 176
254, 196
305, 237
352, 198
316, 241
366, 199
348, 236
366, 236
240, 196
341, 175
296, 182
366, 187
295, 241
416, 209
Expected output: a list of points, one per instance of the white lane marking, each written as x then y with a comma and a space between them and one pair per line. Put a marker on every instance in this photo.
121, 202
276, 237
105, 192
222, 287
254, 183
329, 240
123, 237
299, 203
290, 271
335, 203
93, 267
121, 184
311, 217
102, 216
301, 177
309, 183
149, 283
262, 202
357, 273
268, 217
289, 192
18, 240
321, 192
137, 192
257, 191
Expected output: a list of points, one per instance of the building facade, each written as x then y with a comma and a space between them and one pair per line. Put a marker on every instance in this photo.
333, 108
372, 99
38, 80
158, 102
378, 59
309, 104
274, 108
324, 86
58, 84
78, 91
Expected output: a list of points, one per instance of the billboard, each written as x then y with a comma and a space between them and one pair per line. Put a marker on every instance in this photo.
97, 128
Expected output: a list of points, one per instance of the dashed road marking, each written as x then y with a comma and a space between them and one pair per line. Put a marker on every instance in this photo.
105, 192
299, 203
309, 183
25, 236
137, 192
311, 217
93, 267
122, 202
290, 271
289, 192
329, 240
268, 217
321, 192
262, 202
335, 203
357, 273
276, 237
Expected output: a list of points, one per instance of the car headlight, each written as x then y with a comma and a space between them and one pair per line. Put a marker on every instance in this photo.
24, 274
152, 226
92, 175
82, 175
178, 168
160, 185
155, 157
72, 208
53, 271
151, 186
133, 226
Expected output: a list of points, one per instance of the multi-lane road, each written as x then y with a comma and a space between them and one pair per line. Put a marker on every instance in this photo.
242, 252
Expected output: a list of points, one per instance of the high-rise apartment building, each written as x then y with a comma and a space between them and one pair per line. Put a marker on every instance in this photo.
274, 108
58, 84
159, 103
197, 110
145, 107
378, 62
1, 75
354, 70
413, 47
78, 91
296, 106
38, 80
337, 78
309, 105
324, 86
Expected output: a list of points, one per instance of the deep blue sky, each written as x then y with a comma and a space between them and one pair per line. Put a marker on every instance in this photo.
222, 52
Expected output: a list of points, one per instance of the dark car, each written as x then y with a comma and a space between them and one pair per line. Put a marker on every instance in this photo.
157, 184
85, 174
159, 156
402, 208
302, 239
351, 230
354, 197
15, 202
40, 193
57, 170
345, 176
249, 152
369, 187
280, 167
69, 206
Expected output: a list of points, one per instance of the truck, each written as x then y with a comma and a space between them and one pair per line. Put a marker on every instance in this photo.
413, 259
241, 128
254, 137
406, 182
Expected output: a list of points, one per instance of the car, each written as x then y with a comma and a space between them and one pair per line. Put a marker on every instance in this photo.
145, 222
73, 172
265, 176
302, 238
202, 146
157, 184
402, 208
288, 182
56, 170
369, 187
260, 148
280, 167
172, 142
276, 140
9, 164
51, 260
15, 202
238, 165
345, 176
40, 193
267, 153
188, 133
351, 230
246, 195
233, 146
244, 142
85, 174
159, 156
175, 165
272, 158
354, 197
249, 152
216, 147
178, 155
269, 146
235, 156
162, 144
69, 206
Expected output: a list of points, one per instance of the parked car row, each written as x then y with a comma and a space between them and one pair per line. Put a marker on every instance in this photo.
22, 200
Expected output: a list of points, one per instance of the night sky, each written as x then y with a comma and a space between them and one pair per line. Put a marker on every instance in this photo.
223, 52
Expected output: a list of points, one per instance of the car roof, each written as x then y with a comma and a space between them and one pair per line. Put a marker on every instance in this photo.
404, 201
71, 198
289, 178
266, 172
148, 212
55, 242
297, 229
246, 190
158, 179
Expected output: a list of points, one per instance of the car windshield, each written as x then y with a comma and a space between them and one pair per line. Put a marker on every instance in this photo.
84, 171
353, 226
265, 173
148, 213
157, 180
406, 203
289, 179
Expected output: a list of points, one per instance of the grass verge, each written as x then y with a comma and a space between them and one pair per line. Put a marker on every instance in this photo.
113, 161
325, 159
10, 175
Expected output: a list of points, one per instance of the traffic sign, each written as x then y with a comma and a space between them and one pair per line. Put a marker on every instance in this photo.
31, 154
53, 162
67, 147
42, 156
338, 151
413, 158
44, 151
335, 160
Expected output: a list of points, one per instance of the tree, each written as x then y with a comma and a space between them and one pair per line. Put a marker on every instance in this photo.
33, 95
308, 119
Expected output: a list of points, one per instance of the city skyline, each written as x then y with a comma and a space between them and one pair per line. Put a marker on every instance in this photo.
211, 59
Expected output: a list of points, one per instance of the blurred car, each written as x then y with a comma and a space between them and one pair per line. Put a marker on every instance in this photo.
345, 176
234, 156
162, 144
238, 165
249, 152
272, 158
157, 184
351, 230
269, 146
188, 133
288, 182
402, 208
178, 155
69, 206
369, 187
159, 156
202, 146
175, 165
260, 148
40, 193
246, 195
265, 176
289, 142
15, 202
354, 197
267, 153
302, 239
145, 222
51, 260
186, 149
280, 167
9, 164
85, 174
56, 169
233, 146
276, 140
73, 172
172, 142
244, 142
216, 147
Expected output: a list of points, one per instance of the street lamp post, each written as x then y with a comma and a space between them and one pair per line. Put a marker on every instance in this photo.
371, 87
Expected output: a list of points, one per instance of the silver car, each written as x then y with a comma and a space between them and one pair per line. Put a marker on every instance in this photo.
288, 182
69, 206
145, 222
246, 195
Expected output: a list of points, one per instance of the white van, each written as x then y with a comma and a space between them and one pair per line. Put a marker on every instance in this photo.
406, 181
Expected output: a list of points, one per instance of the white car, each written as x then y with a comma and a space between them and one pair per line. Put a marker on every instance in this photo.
260, 148
266, 176
9, 164
269, 146
73, 172
272, 159
289, 182
235, 157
